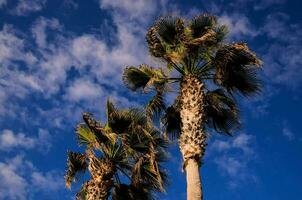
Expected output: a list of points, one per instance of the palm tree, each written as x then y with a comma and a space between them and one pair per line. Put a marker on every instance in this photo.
127, 145
208, 73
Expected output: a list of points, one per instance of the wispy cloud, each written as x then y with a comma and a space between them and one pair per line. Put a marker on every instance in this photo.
20, 179
25, 7
3, 3
239, 26
10, 140
287, 132
283, 54
233, 158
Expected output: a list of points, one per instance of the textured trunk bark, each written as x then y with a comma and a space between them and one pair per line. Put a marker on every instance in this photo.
194, 190
98, 188
192, 140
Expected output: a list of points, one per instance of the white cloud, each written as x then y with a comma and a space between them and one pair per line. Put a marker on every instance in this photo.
25, 7
241, 142
3, 3
233, 158
282, 56
288, 133
134, 8
40, 27
239, 25
10, 140
20, 179
12, 184
49, 181
12, 48
264, 4
83, 90
50, 60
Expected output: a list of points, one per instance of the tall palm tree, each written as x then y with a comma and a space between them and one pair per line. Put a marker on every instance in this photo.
127, 145
208, 72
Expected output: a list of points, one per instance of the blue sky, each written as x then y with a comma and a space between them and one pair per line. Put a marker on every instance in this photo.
59, 58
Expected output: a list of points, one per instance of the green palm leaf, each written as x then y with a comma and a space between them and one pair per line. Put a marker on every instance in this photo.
95, 127
85, 136
143, 77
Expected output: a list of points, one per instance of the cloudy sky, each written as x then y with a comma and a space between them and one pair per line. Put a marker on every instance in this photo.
59, 58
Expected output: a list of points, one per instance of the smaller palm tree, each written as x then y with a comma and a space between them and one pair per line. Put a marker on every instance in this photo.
127, 145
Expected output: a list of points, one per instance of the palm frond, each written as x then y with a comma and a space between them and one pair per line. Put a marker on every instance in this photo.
200, 24
81, 195
85, 136
222, 113
155, 47
142, 77
130, 192
236, 69
156, 104
221, 33
95, 127
120, 121
76, 164
110, 109
171, 120
145, 172
170, 29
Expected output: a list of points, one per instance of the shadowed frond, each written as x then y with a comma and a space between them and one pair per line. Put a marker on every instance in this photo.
130, 192
222, 113
110, 109
95, 127
119, 122
155, 47
205, 31
149, 173
221, 33
156, 104
172, 121
236, 69
76, 164
200, 24
142, 77
170, 29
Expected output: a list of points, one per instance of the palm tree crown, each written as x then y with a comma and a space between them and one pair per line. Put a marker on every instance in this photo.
127, 145
196, 48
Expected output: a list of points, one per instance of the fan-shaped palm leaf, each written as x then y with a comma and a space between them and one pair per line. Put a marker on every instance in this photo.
200, 24
143, 77
170, 29
236, 68
86, 136
221, 111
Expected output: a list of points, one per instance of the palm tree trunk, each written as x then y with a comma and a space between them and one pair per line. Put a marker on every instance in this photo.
102, 178
192, 140
194, 188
